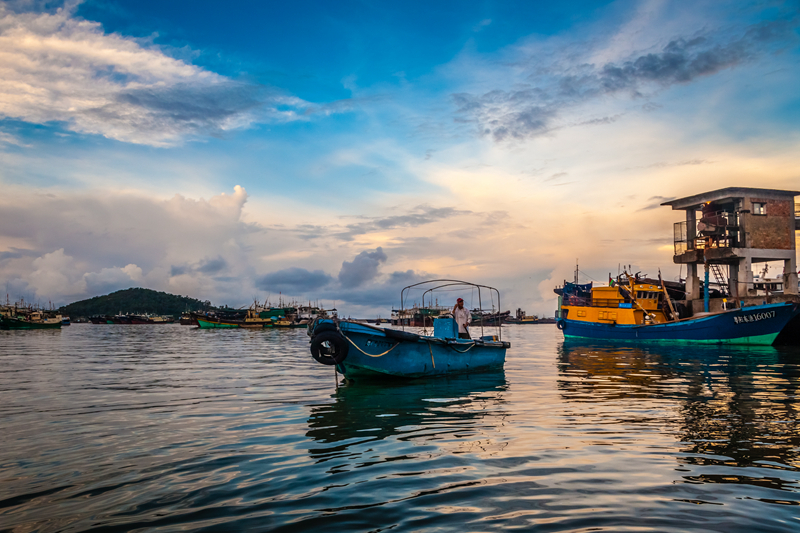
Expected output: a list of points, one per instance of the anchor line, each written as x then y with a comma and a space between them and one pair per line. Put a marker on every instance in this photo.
365, 353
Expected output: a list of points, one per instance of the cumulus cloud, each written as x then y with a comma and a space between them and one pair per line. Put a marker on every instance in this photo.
536, 97
362, 269
360, 284
294, 281
113, 279
384, 291
212, 266
56, 273
76, 245
55, 67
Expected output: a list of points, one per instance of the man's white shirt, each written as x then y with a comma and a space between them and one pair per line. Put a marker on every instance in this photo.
463, 318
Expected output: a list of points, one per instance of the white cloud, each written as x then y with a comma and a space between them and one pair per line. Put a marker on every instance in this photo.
6, 138
56, 275
56, 67
68, 246
113, 279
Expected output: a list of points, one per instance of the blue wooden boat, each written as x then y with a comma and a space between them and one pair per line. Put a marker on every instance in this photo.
359, 350
759, 325
641, 311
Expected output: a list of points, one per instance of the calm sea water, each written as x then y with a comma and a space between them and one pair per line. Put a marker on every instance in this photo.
172, 428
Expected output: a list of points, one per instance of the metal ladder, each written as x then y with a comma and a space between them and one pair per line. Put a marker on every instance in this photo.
719, 276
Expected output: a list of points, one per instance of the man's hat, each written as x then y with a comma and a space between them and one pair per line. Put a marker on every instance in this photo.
460, 300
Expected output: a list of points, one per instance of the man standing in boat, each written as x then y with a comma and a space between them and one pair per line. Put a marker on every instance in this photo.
463, 318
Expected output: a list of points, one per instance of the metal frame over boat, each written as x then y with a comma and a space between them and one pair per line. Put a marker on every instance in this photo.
358, 350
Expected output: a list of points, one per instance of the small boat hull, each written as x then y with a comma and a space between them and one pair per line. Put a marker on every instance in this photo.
215, 324
14, 323
757, 325
210, 323
372, 353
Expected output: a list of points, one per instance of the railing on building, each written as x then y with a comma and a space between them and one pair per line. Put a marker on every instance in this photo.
714, 230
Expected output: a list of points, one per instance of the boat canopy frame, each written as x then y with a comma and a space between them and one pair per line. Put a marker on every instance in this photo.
450, 283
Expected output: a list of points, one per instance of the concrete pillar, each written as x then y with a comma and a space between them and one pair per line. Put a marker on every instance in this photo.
692, 282
790, 276
733, 282
691, 229
744, 277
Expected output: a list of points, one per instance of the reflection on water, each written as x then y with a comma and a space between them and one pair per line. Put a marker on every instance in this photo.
736, 408
471, 406
169, 428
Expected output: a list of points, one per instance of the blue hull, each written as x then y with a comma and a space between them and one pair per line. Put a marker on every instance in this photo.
758, 325
373, 353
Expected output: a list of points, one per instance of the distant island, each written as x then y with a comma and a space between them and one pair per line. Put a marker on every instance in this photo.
135, 300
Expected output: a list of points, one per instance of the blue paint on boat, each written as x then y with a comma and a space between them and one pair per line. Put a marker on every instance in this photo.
758, 325
374, 351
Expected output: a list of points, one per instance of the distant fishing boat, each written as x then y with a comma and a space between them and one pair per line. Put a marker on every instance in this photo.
489, 318
129, 319
521, 318
260, 316
187, 319
418, 316
251, 320
358, 350
283, 323
27, 319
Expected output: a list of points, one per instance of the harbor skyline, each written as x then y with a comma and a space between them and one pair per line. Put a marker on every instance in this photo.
338, 153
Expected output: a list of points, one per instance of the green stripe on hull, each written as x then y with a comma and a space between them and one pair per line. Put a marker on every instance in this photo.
215, 325
757, 340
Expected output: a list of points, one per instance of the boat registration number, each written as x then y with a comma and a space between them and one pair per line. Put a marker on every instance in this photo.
755, 317
378, 344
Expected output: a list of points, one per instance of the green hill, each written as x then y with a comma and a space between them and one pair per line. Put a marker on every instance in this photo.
138, 301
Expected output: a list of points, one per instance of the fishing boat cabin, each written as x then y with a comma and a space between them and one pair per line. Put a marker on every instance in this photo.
628, 301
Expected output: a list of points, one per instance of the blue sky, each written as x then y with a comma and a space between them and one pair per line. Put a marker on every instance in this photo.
337, 151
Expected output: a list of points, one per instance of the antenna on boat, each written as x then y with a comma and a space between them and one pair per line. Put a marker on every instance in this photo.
576, 271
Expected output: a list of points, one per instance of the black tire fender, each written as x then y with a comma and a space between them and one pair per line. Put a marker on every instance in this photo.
561, 324
323, 326
329, 348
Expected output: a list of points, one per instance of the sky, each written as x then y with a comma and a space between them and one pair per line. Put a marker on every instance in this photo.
336, 152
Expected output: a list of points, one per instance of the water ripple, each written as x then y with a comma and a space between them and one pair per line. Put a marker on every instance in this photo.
169, 428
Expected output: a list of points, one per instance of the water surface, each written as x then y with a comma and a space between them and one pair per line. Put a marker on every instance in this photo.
172, 428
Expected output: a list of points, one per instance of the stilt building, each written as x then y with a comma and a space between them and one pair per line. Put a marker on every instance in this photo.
725, 233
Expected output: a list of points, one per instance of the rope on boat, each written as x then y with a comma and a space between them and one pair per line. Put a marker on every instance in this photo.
459, 351
365, 353
431, 350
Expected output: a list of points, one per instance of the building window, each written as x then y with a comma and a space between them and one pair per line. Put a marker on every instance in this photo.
759, 208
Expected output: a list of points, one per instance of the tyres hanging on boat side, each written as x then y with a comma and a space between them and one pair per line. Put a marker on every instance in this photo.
329, 348
324, 326
561, 324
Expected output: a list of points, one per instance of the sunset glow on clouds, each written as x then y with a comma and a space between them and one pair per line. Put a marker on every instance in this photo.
343, 152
